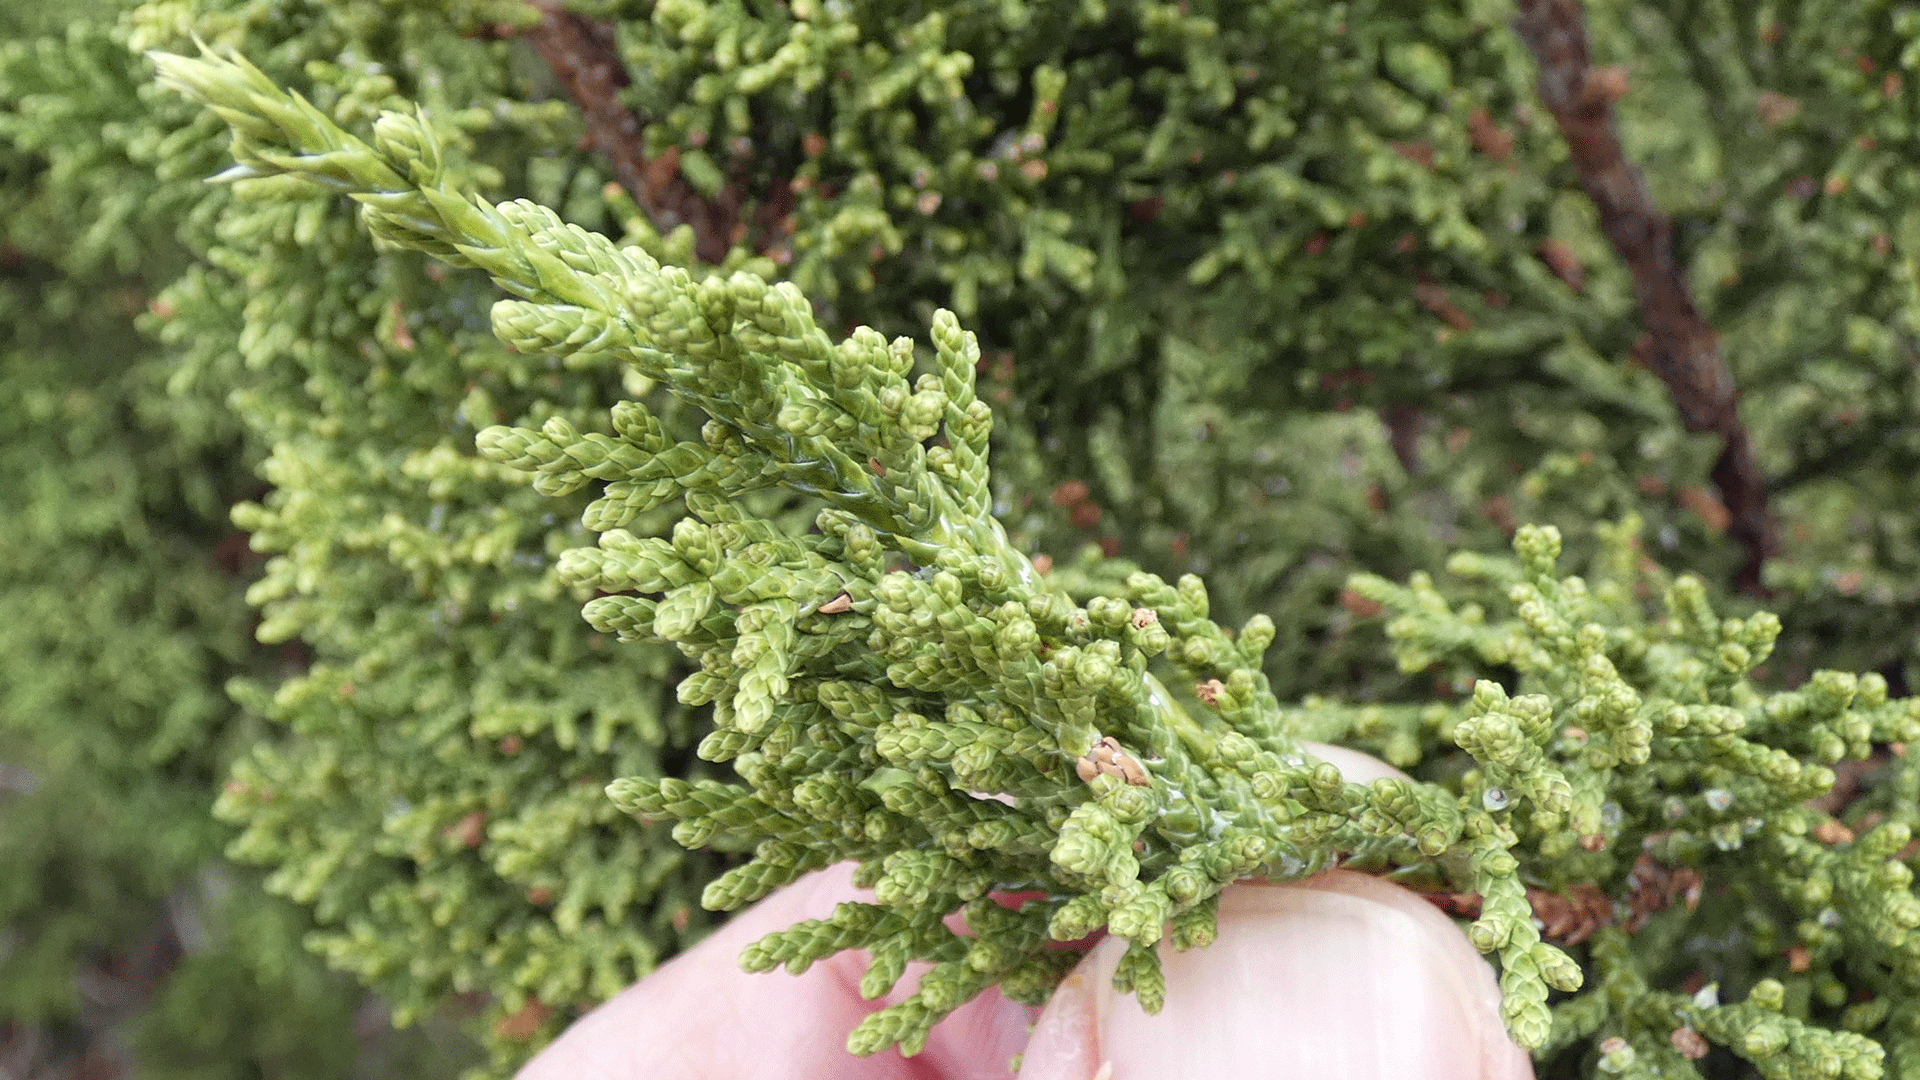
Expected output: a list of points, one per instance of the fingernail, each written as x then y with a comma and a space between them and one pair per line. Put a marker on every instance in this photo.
1307, 981
1063, 1045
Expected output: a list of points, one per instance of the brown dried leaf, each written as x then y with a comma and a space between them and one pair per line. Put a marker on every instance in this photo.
1832, 832
1070, 493
1604, 85
1419, 153
1775, 108
1359, 605
1799, 959
1571, 917
1560, 258
1488, 137
1653, 887
470, 830
1432, 295
1106, 758
1706, 506
524, 1023
1690, 1043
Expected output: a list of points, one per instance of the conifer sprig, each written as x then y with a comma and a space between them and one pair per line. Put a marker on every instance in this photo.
900, 688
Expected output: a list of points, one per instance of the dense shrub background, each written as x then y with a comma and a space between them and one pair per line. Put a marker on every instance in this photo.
1271, 292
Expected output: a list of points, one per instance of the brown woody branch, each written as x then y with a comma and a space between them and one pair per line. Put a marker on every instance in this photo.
583, 57
1405, 423
1680, 347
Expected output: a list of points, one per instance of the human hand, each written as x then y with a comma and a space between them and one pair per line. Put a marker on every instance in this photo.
1342, 975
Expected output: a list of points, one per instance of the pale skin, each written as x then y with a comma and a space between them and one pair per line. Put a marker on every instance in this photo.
1342, 975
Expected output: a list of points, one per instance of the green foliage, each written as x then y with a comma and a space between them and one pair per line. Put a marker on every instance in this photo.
899, 687
1792, 206
1647, 734
350, 535
799, 639
419, 585
125, 615
1206, 248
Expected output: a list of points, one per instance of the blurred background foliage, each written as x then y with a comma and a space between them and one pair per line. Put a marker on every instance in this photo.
299, 732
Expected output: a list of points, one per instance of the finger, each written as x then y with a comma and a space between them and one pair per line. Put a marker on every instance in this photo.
1342, 975
1355, 767
702, 1017
1500, 1057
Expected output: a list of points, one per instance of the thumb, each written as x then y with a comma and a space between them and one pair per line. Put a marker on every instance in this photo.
1340, 975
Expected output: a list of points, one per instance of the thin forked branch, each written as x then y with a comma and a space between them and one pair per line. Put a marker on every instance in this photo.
1681, 348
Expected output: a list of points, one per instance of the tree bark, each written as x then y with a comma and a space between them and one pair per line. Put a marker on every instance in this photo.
583, 57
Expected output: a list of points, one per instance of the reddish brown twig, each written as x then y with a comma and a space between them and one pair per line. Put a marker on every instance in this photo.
1683, 350
582, 55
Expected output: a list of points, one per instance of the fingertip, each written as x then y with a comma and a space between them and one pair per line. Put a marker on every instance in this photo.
1355, 767
1343, 976
1063, 1045
1455, 962
1066, 1041
684, 1020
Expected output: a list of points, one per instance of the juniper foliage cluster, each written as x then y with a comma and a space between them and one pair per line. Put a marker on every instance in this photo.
500, 869
872, 707
124, 936
1206, 249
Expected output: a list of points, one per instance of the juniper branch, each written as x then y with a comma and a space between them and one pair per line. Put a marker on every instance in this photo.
900, 688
